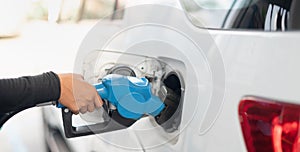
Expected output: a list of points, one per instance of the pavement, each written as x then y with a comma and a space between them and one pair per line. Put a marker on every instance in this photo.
39, 48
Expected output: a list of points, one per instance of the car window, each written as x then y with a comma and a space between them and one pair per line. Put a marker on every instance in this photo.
268, 15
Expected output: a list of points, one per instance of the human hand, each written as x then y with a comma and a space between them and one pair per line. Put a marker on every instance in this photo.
77, 94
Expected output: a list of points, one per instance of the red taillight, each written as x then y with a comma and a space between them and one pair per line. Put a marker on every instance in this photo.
270, 125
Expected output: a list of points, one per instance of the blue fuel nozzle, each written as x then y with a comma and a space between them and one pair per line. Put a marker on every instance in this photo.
130, 95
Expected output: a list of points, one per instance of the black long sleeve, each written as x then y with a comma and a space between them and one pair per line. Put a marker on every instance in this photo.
26, 92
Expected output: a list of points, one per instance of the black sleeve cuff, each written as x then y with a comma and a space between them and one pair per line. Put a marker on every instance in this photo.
46, 87
28, 91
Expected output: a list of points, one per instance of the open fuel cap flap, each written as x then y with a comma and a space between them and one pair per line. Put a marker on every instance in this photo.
126, 64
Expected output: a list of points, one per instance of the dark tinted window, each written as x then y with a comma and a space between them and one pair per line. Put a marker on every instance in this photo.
269, 15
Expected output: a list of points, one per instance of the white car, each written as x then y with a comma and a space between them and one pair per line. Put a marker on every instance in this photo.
228, 72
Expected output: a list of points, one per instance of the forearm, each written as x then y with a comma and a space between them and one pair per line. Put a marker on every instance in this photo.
25, 92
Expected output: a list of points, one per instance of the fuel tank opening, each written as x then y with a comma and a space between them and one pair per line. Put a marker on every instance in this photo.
170, 93
122, 70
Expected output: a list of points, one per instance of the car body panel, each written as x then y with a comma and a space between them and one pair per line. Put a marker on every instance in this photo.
219, 68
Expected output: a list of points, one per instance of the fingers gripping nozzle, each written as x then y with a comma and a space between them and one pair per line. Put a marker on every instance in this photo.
130, 95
